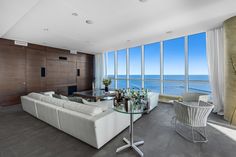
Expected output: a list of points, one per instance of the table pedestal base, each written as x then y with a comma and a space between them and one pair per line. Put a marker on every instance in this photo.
131, 145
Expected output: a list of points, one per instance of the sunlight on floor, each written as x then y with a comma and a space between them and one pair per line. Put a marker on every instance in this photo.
231, 133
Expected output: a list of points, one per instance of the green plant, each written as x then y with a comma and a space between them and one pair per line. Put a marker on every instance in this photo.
106, 82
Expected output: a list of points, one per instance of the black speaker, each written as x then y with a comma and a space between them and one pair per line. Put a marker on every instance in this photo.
43, 72
78, 72
63, 58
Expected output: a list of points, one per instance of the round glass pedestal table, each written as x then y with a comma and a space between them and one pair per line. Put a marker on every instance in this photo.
130, 143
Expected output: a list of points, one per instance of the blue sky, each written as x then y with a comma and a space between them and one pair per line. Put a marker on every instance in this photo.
173, 57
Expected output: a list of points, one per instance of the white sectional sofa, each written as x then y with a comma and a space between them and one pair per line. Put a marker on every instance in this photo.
92, 124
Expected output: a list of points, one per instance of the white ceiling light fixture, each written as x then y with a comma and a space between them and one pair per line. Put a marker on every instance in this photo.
74, 14
74, 52
45, 29
21, 43
169, 32
143, 1
89, 21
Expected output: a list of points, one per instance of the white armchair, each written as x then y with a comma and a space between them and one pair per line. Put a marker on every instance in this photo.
193, 116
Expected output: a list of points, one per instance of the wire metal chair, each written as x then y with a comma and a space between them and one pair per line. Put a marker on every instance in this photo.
193, 116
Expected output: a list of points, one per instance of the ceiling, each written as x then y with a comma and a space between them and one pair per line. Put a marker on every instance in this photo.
116, 23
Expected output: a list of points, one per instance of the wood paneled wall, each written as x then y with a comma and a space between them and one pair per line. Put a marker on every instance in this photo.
20, 70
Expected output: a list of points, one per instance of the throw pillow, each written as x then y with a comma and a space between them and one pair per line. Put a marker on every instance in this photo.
64, 97
56, 96
76, 99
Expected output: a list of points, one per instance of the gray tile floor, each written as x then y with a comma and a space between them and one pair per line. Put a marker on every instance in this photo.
22, 135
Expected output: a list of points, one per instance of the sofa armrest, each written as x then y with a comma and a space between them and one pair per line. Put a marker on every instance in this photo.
153, 99
28, 105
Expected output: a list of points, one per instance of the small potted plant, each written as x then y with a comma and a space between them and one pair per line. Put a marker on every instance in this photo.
106, 83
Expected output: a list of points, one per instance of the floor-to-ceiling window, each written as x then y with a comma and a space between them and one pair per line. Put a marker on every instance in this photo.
121, 67
198, 69
152, 67
170, 67
111, 67
135, 59
174, 66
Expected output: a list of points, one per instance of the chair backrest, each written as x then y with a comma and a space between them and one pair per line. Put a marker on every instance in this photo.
181, 112
195, 116
191, 97
204, 98
195, 97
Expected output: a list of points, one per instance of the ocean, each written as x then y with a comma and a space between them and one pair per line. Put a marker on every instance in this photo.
173, 84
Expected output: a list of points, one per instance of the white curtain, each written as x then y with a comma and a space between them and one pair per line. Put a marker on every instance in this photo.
215, 57
99, 70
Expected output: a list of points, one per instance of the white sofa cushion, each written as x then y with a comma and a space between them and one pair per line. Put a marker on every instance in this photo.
100, 104
82, 108
53, 101
48, 113
36, 96
78, 125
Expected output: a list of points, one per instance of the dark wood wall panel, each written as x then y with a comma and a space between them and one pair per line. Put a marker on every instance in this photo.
60, 72
20, 70
35, 60
12, 74
54, 54
85, 64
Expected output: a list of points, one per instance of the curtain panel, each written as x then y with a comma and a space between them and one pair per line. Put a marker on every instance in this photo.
215, 58
99, 70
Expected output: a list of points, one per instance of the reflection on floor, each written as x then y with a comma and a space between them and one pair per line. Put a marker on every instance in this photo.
23, 135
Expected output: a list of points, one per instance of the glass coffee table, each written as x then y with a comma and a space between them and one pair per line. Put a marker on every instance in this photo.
139, 109
96, 94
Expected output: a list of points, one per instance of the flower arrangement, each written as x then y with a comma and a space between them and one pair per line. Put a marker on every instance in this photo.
106, 82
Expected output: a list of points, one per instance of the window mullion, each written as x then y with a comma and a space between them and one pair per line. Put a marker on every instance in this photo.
186, 63
161, 68
115, 68
142, 65
127, 68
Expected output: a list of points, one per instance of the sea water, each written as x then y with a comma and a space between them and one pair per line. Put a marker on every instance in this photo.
173, 84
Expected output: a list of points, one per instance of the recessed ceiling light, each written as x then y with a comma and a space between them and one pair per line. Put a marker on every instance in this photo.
143, 1
128, 40
168, 32
74, 14
89, 21
45, 29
